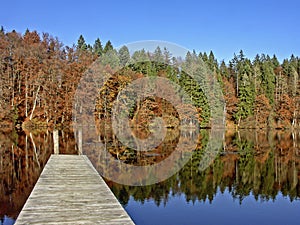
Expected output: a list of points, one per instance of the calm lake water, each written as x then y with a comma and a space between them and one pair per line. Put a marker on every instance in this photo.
253, 180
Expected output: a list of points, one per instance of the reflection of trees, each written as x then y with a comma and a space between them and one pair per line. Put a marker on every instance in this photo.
261, 164
22, 158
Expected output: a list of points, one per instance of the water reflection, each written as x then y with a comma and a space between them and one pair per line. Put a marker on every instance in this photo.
254, 170
254, 177
22, 158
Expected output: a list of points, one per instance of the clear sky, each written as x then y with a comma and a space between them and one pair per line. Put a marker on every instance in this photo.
225, 27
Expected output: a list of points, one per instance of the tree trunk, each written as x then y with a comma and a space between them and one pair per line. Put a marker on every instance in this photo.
56, 142
80, 141
34, 150
34, 103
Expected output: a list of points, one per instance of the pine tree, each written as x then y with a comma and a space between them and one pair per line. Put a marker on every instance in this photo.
140, 56
167, 56
195, 83
275, 61
108, 47
97, 47
26, 31
81, 45
224, 70
268, 80
246, 90
140, 62
233, 68
158, 56
2, 31
257, 74
190, 59
110, 58
212, 62
124, 55
89, 48
204, 57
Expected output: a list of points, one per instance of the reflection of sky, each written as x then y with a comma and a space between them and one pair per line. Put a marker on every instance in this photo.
7, 221
223, 210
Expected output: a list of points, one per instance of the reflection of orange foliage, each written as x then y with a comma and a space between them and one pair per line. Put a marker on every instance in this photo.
284, 149
20, 170
261, 170
158, 154
21, 165
262, 156
229, 161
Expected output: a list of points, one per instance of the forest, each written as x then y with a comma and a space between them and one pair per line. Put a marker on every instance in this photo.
39, 77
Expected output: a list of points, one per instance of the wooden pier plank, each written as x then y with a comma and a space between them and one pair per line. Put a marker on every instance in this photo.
70, 191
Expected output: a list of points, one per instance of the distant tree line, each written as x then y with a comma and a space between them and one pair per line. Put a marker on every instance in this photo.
39, 76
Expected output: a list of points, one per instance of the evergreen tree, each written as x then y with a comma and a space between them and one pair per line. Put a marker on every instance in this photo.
190, 59
140, 62
286, 67
167, 56
268, 80
290, 68
124, 55
212, 62
108, 47
97, 47
246, 90
233, 68
224, 70
111, 58
257, 74
27, 31
275, 61
294, 69
140, 56
89, 48
194, 81
204, 57
158, 56
2, 31
81, 45
256, 60
241, 56
293, 61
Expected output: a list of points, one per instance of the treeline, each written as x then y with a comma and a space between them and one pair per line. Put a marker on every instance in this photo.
39, 76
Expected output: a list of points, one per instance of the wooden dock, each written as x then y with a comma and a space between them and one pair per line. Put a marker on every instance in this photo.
70, 191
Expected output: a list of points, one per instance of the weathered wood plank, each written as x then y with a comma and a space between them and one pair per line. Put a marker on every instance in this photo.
70, 191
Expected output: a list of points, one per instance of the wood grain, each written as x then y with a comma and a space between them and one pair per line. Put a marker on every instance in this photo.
70, 191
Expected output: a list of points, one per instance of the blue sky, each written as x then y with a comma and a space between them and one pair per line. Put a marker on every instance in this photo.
225, 27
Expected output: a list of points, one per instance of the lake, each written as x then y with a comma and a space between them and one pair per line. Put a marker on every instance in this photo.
254, 178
